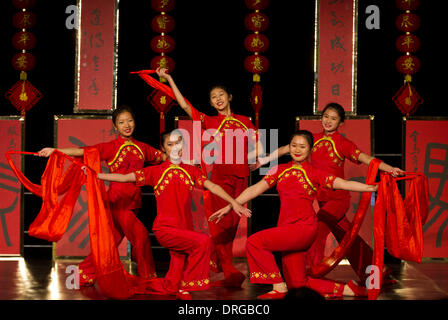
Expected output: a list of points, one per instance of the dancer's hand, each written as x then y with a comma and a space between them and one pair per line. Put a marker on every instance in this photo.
84, 169
218, 215
45, 152
395, 172
163, 73
241, 210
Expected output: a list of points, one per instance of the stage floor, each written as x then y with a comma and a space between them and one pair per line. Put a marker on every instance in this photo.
40, 279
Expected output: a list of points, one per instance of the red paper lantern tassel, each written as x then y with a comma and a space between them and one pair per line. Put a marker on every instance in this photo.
162, 122
256, 101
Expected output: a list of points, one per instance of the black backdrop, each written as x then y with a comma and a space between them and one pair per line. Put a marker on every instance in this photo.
209, 49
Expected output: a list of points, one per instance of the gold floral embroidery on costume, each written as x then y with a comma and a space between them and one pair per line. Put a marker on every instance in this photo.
355, 155
127, 147
329, 180
300, 173
230, 122
195, 283
169, 174
265, 276
139, 177
328, 144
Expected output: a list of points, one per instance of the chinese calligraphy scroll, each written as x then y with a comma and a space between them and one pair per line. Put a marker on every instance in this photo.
335, 54
95, 89
426, 151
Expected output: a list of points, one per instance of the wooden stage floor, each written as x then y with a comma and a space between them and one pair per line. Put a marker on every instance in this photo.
41, 279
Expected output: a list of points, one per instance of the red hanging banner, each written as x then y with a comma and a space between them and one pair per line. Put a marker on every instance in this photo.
335, 54
95, 89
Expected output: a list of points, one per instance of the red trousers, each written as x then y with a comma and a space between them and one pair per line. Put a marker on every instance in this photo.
292, 240
126, 224
190, 259
332, 218
224, 232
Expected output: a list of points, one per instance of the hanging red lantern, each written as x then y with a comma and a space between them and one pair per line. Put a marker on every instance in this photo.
162, 44
162, 62
256, 64
23, 61
408, 64
407, 22
407, 43
256, 21
24, 20
257, 4
256, 42
162, 5
23, 4
23, 40
163, 23
162, 103
407, 4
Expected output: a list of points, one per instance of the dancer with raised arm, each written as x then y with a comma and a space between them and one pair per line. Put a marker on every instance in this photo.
231, 175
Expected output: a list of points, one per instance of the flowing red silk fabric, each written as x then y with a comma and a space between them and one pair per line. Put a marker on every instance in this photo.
50, 224
330, 262
398, 223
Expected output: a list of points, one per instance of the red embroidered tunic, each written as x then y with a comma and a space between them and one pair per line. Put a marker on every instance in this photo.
125, 156
173, 185
297, 186
236, 163
329, 153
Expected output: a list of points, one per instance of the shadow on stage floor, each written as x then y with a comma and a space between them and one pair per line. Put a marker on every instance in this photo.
42, 279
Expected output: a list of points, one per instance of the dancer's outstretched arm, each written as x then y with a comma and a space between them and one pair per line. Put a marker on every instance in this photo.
162, 73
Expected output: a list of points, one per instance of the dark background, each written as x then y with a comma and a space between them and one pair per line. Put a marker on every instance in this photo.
209, 49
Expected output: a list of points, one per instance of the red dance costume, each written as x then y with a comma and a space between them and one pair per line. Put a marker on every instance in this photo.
125, 156
329, 153
295, 232
173, 227
233, 178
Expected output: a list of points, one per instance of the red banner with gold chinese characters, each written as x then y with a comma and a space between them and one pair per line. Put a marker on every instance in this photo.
335, 63
96, 76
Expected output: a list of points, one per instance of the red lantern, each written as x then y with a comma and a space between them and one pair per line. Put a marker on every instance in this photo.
24, 20
256, 64
407, 43
407, 22
23, 4
23, 61
408, 64
162, 62
163, 23
407, 4
162, 103
23, 40
256, 42
162, 5
256, 21
162, 44
257, 4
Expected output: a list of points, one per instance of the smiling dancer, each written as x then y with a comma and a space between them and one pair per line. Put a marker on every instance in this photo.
122, 155
173, 184
297, 185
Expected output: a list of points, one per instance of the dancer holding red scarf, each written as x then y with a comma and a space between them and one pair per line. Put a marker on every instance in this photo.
173, 183
122, 155
231, 175
329, 153
297, 185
